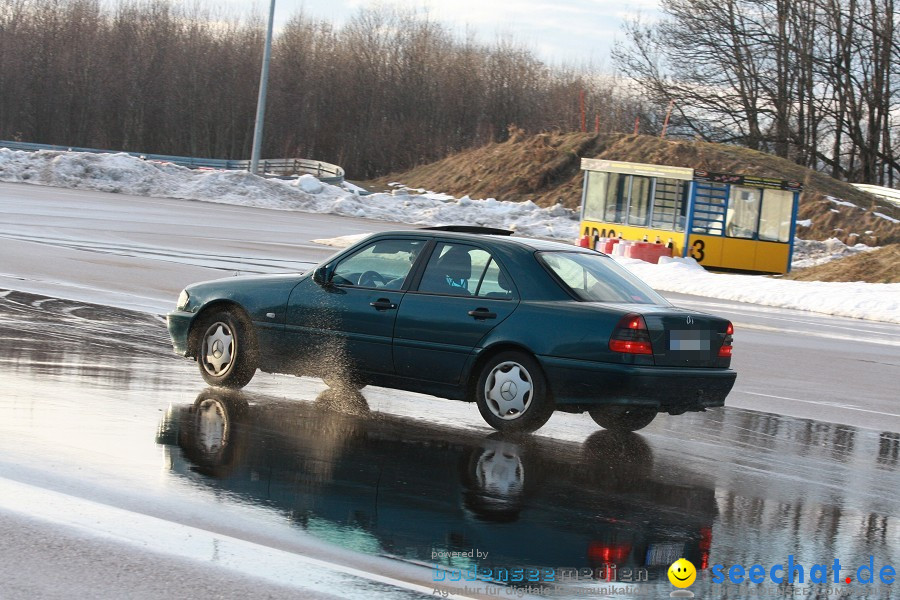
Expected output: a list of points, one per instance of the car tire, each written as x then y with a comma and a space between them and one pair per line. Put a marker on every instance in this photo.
619, 420
226, 349
495, 479
212, 435
512, 393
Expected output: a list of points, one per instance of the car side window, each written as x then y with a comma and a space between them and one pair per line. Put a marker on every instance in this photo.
494, 283
382, 264
455, 269
595, 278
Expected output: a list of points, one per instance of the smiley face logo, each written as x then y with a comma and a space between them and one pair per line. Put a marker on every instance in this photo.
682, 573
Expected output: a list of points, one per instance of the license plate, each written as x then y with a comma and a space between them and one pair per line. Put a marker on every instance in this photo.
689, 340
664, 553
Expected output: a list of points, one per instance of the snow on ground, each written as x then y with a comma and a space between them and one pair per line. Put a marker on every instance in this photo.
840, 202
883, 193
886, 217
344, 241
875, 301
809, 253
125, 174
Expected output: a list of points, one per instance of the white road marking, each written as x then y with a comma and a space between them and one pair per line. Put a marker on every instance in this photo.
822, 403
863, 336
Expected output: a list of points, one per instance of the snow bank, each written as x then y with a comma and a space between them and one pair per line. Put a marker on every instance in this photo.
126, 174
344, 241
874, 301
309, 184
809, 253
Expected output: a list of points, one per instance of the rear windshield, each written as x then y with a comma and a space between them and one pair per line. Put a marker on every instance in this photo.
597, 278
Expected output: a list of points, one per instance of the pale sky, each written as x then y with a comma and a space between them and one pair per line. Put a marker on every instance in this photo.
566, 30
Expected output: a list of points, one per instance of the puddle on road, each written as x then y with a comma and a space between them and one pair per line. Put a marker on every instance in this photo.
726, 487
383, 484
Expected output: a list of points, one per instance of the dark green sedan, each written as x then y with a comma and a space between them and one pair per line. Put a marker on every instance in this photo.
521, 327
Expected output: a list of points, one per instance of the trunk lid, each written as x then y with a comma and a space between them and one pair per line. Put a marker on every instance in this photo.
686, 338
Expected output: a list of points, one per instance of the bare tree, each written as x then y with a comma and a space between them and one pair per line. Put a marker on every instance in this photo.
809, 80
388, 90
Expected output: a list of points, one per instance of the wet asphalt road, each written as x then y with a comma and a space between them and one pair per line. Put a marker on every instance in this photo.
99, 413
809, 365
139, 252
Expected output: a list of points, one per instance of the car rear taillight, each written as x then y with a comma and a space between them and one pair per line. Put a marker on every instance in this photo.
608, 554
705, 545
631, 336
725, 350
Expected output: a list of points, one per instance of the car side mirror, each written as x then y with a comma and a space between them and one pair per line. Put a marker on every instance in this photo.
322, 276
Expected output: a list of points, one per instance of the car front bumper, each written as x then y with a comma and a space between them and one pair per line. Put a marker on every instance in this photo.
179, 325
582, 385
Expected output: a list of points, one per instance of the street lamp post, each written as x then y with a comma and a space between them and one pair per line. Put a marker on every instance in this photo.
261, 101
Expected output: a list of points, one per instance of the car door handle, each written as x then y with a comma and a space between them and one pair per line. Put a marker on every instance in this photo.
482, 313
383, 304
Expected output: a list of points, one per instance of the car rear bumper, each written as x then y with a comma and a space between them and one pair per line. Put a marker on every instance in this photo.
179, 325
577, 384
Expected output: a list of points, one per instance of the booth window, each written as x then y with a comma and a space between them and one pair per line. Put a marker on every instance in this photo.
743, 212
669, 204
595, 195
775, 216
639, 200
606, 198
635, 200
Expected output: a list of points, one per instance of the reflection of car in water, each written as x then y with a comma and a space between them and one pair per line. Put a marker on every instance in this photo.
392, 485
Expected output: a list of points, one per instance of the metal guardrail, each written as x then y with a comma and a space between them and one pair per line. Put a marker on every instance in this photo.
325, 172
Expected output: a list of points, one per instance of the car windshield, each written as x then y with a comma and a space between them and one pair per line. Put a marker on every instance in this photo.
597, 278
